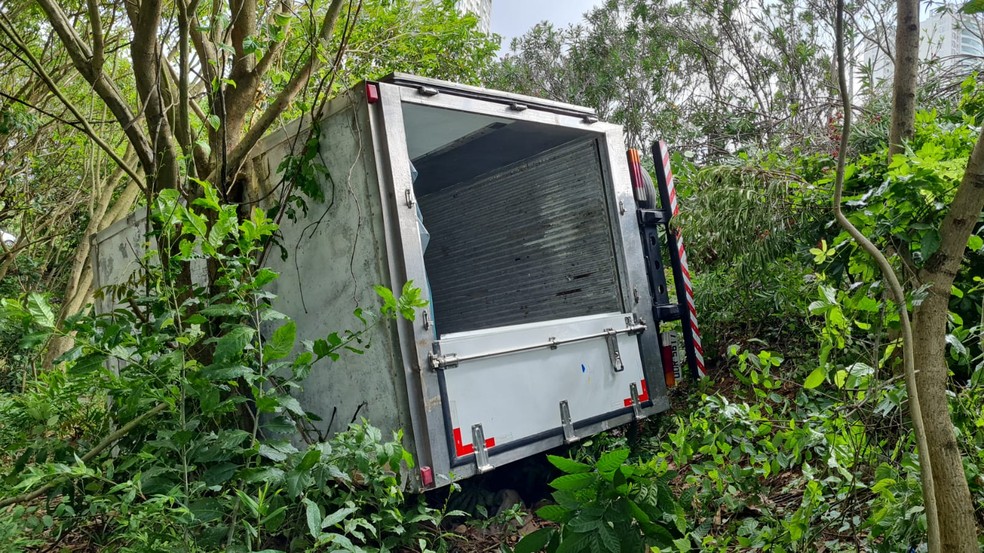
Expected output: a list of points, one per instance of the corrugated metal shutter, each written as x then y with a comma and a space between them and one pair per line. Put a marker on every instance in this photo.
529, 243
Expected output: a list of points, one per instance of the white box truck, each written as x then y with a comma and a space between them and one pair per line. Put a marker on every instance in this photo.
516, 218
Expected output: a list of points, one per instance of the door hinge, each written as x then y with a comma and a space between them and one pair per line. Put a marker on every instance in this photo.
567, 424
481, 454
636, 407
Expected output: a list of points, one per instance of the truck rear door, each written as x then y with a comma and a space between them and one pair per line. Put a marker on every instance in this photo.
517, 222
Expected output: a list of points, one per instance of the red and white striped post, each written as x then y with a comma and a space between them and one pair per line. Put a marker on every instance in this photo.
678, 257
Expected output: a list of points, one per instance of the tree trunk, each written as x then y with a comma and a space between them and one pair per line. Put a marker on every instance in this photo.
906, 67
958, 528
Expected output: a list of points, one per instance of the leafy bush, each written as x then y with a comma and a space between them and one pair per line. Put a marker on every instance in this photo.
610, 505
172, 426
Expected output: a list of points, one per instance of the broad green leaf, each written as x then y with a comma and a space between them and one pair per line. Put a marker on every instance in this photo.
574, 481
682, 544
973, 6
929, 244
956, 344
276, 451
233, 343
310, 459
337, 516
389, 300
607, 538
280, 343
534, 541
815, 379
88, 363
219, 474
40, 310
974, 242
553, 513
583, 525
568, 466
637, 512
612, 460
312, 514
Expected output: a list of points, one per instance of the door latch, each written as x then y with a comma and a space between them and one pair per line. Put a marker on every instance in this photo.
611, 337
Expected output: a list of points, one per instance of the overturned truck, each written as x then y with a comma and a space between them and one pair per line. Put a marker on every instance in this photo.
535, 239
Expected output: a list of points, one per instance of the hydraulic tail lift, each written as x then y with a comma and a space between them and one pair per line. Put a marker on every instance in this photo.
657, 205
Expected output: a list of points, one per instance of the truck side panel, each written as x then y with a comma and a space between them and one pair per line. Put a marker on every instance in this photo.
336, 254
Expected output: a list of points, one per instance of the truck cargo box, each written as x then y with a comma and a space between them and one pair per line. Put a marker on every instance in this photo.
515, 217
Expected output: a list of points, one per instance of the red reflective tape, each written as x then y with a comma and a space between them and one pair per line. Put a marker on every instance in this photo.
461, 449
643, 395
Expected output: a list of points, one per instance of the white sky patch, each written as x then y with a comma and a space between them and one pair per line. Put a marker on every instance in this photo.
512, 18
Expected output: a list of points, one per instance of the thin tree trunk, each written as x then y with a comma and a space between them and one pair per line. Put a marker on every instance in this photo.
916, 402
904, 83
958, 528
956, 508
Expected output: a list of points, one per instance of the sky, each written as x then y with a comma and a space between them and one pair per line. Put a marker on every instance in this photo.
512, 18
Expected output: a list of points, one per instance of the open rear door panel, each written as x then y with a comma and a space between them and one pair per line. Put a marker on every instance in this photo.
505, 387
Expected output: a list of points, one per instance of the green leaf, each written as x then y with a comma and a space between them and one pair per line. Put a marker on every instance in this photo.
337, 517
88, 363
574, 481
280, 343
553, 513
638, 513
815, 379
39, 309
389, 300
233, 343
263, 277
219, 474
568, 466
214, 121
583, 525
929, 244
682, 544
276, 451
972, 7
534, 541
608, 538
310, 459
226, 373
957, 345
312, 514
612, 460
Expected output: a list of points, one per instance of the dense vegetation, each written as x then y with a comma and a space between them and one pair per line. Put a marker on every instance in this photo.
801, 439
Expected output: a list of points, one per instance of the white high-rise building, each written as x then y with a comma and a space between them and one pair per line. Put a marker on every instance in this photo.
950, 40
482, 10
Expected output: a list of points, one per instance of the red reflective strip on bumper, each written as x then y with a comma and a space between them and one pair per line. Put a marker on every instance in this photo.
461, 449
643, 395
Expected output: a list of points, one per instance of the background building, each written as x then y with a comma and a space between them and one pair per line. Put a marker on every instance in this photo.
949, 40
482, 9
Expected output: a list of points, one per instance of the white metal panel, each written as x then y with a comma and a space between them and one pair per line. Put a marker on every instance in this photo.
518, 395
